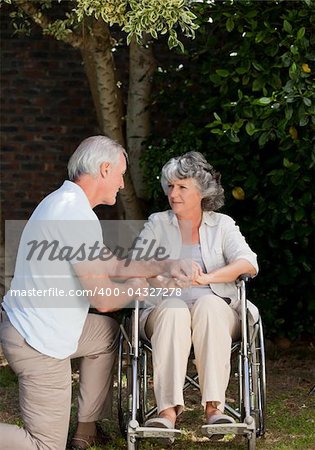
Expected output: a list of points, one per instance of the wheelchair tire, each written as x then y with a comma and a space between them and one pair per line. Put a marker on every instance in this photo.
251, 442
124, 379
258, 380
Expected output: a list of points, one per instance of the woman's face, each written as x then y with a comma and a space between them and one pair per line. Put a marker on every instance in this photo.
184, 197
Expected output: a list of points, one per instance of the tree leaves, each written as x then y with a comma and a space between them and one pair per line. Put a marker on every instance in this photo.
275, 76
252, 70
250, 128
287, 26
136, 17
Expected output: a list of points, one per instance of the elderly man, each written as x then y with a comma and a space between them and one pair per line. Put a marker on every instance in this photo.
45, 321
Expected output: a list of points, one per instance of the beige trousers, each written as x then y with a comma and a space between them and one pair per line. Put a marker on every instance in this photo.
209, 325
45, 385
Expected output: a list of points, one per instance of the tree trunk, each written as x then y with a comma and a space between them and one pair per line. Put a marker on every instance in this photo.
141, 68
100, 68
108, 100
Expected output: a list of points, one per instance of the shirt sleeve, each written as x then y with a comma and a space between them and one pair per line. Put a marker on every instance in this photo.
235, 246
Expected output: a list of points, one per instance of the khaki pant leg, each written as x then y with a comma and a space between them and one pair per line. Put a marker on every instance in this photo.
169, 328
214, 325
44, 393
98, 349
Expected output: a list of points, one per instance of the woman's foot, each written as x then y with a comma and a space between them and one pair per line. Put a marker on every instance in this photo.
211, 410
166, 419
214, 415
169, 414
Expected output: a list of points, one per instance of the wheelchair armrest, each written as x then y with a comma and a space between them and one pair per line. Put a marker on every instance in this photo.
244, 277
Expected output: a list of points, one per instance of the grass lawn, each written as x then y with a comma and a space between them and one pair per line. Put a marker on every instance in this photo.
290, 411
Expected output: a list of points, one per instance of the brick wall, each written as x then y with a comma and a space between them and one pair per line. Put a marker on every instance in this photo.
46, 110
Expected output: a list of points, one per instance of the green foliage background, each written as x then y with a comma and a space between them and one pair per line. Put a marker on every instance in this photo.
244, 95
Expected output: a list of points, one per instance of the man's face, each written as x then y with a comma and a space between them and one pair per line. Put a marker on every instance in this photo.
113, 181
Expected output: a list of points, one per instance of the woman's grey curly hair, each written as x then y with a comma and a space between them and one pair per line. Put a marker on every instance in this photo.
194, 165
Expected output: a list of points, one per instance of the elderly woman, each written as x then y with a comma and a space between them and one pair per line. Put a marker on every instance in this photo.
204, 315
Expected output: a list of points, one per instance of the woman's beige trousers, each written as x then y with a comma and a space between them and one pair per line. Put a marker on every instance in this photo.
209, 325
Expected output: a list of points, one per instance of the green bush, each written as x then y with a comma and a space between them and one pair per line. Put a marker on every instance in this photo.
244, 96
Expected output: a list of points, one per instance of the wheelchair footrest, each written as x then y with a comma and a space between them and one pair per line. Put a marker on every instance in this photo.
225, 428
153, 432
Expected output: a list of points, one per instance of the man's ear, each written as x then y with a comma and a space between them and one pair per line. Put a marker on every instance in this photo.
104, 169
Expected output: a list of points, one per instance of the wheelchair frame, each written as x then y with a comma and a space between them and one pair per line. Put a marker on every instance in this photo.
132, 385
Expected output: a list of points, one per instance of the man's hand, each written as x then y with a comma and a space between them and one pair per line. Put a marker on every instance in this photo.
165, 281
185, 268
140, 287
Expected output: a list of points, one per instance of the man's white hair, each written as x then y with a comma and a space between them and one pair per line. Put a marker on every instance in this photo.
91, 153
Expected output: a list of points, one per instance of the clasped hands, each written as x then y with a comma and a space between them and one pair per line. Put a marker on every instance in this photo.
180, 274
183, 274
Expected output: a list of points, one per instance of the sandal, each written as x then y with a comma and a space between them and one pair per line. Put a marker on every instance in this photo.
161, 422
219, 418
215, 419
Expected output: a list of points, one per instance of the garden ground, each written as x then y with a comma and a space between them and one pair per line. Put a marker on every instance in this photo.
290, 411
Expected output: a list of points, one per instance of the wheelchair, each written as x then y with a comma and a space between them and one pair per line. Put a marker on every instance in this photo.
135, 406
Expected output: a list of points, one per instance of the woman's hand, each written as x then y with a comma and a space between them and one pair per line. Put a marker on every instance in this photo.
201, 280
185, 270
226, 274
166, 280
192, 271
196, 271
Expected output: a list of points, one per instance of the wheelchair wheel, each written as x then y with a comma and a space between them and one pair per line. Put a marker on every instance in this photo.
124, 378
251, 442
258, 379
